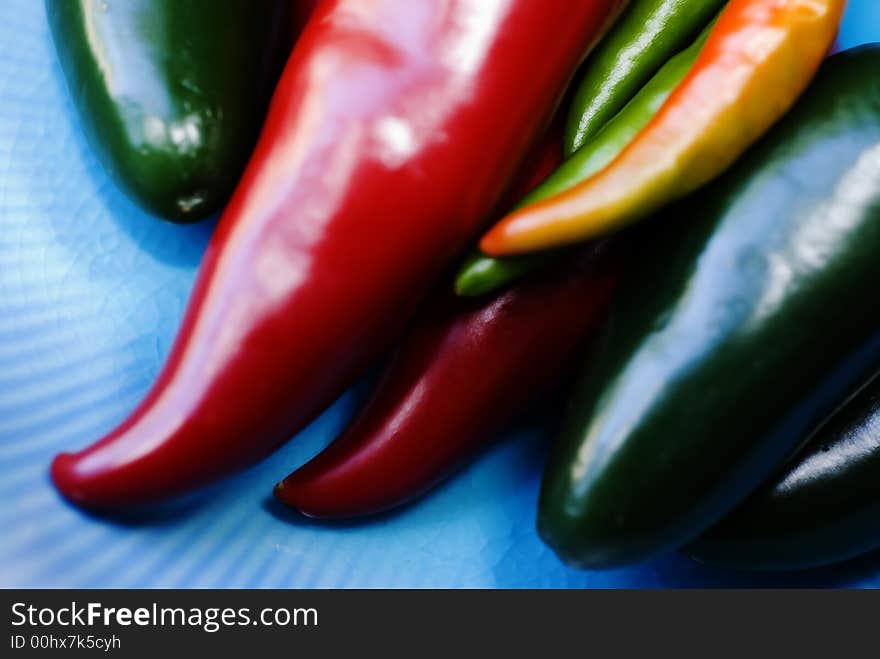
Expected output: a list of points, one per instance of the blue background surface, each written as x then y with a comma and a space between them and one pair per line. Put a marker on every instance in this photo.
91, 292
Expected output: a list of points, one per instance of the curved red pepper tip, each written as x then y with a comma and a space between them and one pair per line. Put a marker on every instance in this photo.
289, 496
84, 480
314, 491
68, 478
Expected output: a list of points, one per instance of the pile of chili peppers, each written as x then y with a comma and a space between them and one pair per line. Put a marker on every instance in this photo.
686, 201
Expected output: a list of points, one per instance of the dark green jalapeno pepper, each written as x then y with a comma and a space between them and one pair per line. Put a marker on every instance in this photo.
742, 324
482, 274
643, 39
823, 508
171, 94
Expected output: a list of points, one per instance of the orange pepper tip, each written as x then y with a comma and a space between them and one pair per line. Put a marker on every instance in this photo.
492, 244
512, 235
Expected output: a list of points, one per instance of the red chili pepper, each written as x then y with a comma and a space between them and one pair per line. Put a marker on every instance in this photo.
394, 130
467, 367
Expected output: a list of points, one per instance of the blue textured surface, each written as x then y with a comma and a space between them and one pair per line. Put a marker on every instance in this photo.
91, 292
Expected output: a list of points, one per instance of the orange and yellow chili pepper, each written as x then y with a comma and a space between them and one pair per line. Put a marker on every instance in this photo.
759, 58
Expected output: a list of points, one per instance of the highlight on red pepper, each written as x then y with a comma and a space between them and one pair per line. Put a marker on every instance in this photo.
758, 59
393, 132
463, 370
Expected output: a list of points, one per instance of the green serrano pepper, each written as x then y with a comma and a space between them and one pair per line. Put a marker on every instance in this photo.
482, 274
823, 508
171, 94
646, 36
742, 324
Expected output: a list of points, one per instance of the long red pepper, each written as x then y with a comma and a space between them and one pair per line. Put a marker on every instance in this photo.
466, 368
394, 130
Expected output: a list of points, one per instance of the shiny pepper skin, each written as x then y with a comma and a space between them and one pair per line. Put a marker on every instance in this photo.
393, 132
462, 371
647, 35
823, 508
465, 369
759, 58
171, 94
482, 274
744, 319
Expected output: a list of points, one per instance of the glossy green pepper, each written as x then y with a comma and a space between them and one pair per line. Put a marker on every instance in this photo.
746, 317
481, 274
171, 94
824, 507
643, 39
